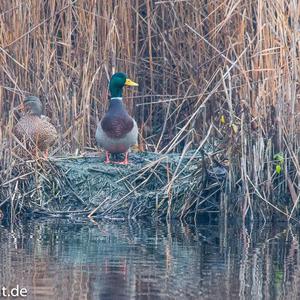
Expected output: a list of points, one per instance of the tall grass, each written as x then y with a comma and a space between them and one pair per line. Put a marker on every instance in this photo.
233, 65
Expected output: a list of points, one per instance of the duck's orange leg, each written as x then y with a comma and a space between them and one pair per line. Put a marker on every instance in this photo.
36, 149
107, 160
46, 154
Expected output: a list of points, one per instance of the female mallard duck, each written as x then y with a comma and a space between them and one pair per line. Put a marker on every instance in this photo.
34, 129
117, 130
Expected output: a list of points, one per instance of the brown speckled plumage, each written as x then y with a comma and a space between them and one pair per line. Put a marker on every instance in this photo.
35, 131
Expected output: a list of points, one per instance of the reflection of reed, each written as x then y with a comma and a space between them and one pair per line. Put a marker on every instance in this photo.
42, 284
291, 280
136, 260
269, 266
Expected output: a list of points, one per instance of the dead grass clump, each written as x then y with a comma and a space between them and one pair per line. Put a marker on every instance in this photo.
155, 186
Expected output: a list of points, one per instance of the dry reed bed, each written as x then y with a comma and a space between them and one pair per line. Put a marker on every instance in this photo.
228, 66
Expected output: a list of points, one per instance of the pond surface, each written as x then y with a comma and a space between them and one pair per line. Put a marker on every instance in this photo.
60, 259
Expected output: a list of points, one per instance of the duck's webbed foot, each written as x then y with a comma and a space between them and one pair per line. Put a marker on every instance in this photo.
125, 161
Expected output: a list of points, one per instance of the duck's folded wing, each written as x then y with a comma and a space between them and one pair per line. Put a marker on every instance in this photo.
117, 126
48, 134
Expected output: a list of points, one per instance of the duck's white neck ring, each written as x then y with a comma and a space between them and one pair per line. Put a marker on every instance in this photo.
116, 98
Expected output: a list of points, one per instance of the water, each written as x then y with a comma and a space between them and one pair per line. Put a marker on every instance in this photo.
60, 259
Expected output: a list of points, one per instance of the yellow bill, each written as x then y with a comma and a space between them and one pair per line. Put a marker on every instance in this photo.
129, 82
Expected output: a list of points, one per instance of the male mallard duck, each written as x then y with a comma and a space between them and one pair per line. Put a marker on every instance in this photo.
33, 128
117, 130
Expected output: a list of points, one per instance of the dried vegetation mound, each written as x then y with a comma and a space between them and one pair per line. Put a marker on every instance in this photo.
156, 185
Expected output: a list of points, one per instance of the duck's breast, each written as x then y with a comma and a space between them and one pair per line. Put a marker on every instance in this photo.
26, 127
116, 124
117, 144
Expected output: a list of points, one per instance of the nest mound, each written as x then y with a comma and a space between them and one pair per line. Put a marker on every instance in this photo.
155, 185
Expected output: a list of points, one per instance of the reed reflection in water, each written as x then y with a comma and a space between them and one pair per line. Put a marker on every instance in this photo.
61, 259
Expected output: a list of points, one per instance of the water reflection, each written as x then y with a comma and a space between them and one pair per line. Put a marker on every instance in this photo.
67, 260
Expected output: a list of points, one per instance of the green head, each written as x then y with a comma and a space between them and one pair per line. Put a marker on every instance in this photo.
33, 105
117, 82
